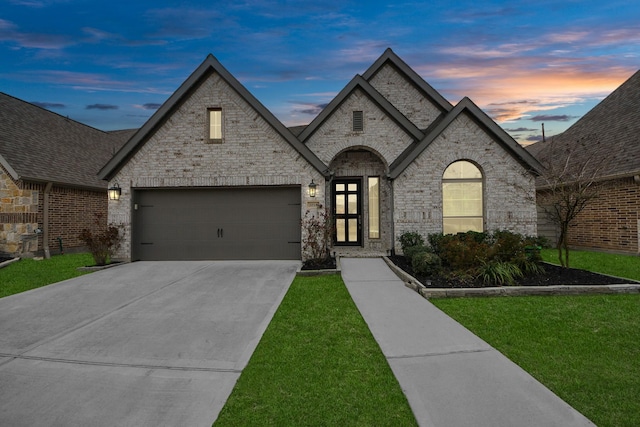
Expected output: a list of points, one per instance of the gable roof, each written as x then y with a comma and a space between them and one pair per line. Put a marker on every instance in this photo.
612, 131
425, 88
465, 106
358, 82
41, 146
208, 66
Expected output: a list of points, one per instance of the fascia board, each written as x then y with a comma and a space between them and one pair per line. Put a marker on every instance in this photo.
8, 168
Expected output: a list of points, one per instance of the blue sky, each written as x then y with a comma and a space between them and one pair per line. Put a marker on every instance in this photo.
111, 64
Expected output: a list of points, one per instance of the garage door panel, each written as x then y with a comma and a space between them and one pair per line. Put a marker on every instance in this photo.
183, 224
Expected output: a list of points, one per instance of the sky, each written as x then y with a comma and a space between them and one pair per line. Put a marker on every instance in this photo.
111, 64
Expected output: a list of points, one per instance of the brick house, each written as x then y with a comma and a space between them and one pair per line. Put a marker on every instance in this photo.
213, 174
49, 188
611, 135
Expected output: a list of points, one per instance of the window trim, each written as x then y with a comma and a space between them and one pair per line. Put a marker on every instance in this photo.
208, 129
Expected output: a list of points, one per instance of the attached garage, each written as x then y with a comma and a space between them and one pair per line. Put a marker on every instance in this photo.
216, 224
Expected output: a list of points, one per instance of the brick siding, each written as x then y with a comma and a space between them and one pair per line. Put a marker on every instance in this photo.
509, 190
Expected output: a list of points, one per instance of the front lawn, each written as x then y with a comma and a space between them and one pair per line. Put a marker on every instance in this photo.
317, 364
616, 265
30, 274
586, 349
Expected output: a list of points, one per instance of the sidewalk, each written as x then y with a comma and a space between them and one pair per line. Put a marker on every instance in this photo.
450, 376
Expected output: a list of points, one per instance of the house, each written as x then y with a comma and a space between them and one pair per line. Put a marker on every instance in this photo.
49, 188
607, 141
214, 174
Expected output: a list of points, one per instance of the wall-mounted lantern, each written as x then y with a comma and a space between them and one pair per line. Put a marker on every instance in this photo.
312, 189
114, 192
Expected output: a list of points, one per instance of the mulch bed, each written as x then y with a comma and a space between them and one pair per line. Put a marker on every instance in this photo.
319, 264
554, 275
3, 259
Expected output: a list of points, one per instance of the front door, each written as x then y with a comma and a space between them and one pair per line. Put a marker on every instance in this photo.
347, 211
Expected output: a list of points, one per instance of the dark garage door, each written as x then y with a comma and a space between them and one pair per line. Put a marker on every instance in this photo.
205, 224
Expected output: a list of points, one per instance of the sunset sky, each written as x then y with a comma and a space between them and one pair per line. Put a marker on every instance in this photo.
112, 64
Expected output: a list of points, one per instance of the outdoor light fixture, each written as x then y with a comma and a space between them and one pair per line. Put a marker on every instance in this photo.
312, 189
114, 192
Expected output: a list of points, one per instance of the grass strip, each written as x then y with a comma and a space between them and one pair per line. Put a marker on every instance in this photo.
317, 365
613, 264
29, 274
583, 348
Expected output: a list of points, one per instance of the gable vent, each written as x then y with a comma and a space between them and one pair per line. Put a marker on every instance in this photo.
358, 121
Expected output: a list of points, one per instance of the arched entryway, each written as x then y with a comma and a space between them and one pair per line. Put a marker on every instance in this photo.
359, 196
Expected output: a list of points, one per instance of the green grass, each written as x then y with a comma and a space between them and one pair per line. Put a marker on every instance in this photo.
616, 265
29, 274
586, 349
317, 364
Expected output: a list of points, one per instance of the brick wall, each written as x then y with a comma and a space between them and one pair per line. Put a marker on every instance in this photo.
509, 190
381, 134
610, 222
178, 154
404, 96
70, 211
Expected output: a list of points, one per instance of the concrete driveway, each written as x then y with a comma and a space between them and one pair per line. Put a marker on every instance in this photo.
142, 344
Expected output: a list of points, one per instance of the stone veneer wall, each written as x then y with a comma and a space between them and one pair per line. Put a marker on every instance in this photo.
179, 154
18, 215
405, 96
509, 190
70, 211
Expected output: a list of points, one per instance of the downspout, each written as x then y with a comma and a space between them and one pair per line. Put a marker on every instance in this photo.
45, 220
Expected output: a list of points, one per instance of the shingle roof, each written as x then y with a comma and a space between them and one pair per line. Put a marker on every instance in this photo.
39, 145
611, 130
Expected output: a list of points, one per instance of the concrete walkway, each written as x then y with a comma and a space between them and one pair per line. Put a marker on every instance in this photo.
142, 344
450, 376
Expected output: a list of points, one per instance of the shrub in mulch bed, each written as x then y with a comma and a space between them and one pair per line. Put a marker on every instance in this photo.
553, 275
328, 263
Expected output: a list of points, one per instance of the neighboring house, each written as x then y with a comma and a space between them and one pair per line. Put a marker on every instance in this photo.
610, 133
49, 188
214, 175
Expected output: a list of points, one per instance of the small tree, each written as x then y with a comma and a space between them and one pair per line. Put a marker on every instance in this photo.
569, 184
102, 243
318, 228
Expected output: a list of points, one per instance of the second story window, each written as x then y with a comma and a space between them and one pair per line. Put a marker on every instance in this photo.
215, 125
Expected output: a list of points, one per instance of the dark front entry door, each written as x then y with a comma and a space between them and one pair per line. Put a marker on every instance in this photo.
347, 211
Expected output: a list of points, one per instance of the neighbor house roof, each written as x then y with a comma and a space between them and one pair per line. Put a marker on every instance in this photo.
42, 146
609, 133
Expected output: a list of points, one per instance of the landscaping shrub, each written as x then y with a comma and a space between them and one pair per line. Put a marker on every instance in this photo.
409, 239
426, 263
102, 243
498, 258
413, 250
318, 228
462, 251
498, 273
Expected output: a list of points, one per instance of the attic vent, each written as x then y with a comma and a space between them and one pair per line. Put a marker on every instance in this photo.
358, 121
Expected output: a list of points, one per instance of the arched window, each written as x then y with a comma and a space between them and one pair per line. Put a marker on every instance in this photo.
462, 205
